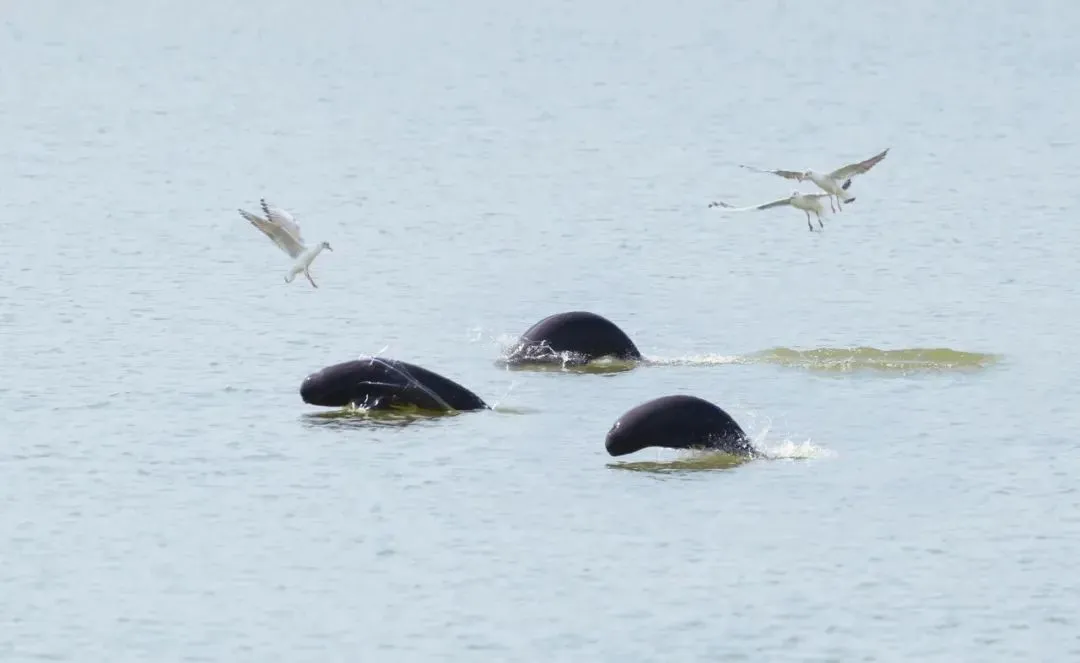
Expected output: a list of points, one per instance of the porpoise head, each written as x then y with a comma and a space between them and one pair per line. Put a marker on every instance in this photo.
330, 387
627, 437
313, 391
621, 440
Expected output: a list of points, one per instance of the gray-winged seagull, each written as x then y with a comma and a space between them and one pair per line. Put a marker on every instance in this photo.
281, 227
836, 182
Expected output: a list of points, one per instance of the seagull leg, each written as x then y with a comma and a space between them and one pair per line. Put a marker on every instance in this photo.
831, 206
820, 224
308, 275
838, 204
808, 224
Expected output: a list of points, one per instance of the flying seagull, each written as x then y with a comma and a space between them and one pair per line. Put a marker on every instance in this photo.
836, 182
807, 202
281, 227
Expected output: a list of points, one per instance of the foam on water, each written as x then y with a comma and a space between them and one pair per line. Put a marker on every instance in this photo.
900, 361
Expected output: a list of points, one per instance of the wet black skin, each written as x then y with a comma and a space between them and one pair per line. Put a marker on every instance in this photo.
677, 422
380, 383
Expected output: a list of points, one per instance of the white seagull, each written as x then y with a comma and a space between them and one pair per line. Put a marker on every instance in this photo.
807, 202
281, 227
836, 182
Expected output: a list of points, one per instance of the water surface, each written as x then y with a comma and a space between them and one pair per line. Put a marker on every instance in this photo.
478, 166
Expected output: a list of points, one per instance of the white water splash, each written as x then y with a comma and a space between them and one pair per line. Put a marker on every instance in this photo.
784, 448
499, 341
505, 394
791, 450
692, 360
503, 342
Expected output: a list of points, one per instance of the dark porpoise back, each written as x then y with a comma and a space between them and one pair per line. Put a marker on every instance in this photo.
379, 383
583, 335
677, 422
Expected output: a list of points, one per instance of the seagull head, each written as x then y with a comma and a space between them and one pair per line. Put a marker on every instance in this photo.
326, 245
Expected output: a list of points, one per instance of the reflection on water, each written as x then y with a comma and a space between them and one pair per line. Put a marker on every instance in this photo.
688, 461
397, 417
515, 409
698, 461
355, 417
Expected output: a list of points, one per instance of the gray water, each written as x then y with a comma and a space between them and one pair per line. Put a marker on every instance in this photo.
476, 166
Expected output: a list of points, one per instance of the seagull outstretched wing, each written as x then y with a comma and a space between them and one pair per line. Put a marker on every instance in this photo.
280, 217
787, 174
853, 169
775, 203
730, 208
279, 234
